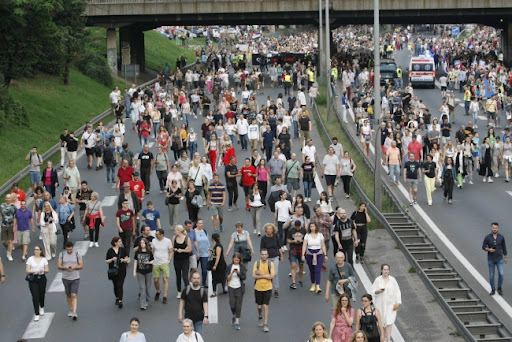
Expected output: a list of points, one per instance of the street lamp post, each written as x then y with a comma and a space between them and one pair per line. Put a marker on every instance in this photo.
320, 41
377, 105
328, 59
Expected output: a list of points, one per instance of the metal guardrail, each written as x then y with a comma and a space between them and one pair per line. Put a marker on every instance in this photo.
490, 320
56, 148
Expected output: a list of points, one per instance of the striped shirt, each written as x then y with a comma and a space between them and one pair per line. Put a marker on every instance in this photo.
216, 192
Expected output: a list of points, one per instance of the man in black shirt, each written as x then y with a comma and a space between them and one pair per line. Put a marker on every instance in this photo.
83, 195
145, 165
430, 170
146, 235
412, 175
63, 142
72, 146
295, 238
291, 101
194, 301
446, 129
231, 173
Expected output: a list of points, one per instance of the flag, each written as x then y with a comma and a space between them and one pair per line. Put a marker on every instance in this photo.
474, 60
489, 89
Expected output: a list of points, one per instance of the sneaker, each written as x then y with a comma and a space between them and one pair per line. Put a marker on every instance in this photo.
75, 316
164, 300
318, 289
178, 295
23, 257
36, 318
415, 202
265, 328
221, 228
485, 180
260, 321
493, 292
411, 203
290, 274
301, 283
497, 175
41, 311
91, 244
347, 196
490, 180
230, 209
450, 201
117, 301
276, 294
96, 244
120, 305
233, 320
471, 182
293, 286
147, 192
235, 206
70, 314
500, 292
157, 296
259, 233
237, 326
312, 288
9, 257
255, 231
86, 237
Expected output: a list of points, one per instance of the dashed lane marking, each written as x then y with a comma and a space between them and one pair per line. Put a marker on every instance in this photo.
39, 329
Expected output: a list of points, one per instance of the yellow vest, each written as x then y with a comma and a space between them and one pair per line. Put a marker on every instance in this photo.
311, 75
287, 78
398, 72
334, 72
467, 95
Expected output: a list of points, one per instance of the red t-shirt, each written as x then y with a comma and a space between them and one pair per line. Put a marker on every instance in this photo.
246, 179
415, 147
124, 175
125, 219
145, 130
229, 115
137, 187
20, 194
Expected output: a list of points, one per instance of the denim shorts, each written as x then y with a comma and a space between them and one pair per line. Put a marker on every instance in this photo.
35, 177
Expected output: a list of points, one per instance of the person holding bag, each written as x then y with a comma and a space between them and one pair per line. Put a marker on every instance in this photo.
66, 213
93, 218
117, 259
241, 241
47, 220
36, 267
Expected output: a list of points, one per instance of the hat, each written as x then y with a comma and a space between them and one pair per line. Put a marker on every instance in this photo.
126, 184
136, 173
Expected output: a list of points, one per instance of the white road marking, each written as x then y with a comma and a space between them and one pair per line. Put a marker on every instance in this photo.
39, 329
81, 247
151, 144
481, 117
57, 285
213, 308
109, 201
509, 192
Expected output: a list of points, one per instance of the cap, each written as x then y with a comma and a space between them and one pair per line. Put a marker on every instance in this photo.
126, 184
136, 173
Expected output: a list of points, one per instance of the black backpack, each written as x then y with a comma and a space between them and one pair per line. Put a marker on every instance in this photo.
369, 324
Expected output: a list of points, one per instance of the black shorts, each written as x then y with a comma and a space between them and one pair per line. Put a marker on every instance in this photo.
98, 151
443, 88
330, 179
89, 151
247, 190
262, 297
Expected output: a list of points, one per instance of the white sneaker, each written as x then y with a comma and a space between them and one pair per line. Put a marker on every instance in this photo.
36, 318
490, 180
485, 179
91, 244
497, 175
41, 311
9, 257
179, 295
96, 244
470, 182
70, 314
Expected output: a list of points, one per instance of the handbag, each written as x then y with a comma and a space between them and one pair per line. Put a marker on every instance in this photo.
113, 272
197, 201
210, 264
30, 277
244, 250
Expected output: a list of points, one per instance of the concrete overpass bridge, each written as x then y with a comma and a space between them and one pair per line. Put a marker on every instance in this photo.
133, 17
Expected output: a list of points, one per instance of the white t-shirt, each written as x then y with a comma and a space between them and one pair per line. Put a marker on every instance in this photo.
37, 268
330, 163
309, 151
283, 210
114, 98
314, 243
242, 126
161, 250
235, 282
254, 132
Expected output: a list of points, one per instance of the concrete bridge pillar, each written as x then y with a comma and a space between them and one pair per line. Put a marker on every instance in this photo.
133, 37
506, 43
112, 50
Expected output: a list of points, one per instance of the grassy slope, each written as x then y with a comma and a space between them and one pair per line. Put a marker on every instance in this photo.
160, 50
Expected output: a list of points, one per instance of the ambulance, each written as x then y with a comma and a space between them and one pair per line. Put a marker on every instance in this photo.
422, 71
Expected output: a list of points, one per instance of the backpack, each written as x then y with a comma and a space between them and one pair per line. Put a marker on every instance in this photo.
369, 324
108, 155
127, 156
201, 290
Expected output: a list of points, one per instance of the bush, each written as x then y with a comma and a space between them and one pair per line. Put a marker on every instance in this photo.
95, 67
12, 113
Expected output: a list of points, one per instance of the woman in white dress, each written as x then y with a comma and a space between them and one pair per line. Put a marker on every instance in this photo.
387, 299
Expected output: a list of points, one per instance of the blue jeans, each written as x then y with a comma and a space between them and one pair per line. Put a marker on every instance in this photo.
232, 138
144, 140
243, 141
204, 272
307, 188
296, 129
185, 118
198, 327
156, 127
394, 173
110, 170
498, 264
466, 106
192, 148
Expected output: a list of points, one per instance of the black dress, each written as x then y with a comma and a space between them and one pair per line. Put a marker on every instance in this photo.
219, 275
192, 209
118, 281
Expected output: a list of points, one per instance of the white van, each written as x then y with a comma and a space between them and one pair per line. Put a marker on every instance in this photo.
422, 71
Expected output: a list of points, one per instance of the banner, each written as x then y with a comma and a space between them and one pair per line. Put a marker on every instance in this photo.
282, 58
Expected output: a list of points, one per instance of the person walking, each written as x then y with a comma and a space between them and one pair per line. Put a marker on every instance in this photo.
191, 196
143, 271
36, 267
339, 274
134, 335
50, 179
319, 333
496, 248
448, 179
162, 167
93, 218
215, 201
430, 172
172, 199
272, 244
348, 167
236, 273
412, 174
8, 212
125, 219
194, 304
162, 253
308, 174
486, 157
241, 243
66, 214
368, 319
117, 259
331, 168
388, 299
361, 218
70, 263
182, 249
295, 238
315, 254
257, 203
219, 264
188, 334
263, 272
23, 221
47, 221
393, 159
342, 319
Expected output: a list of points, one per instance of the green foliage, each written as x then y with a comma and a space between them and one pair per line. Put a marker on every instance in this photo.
96, 67
160, 50
12, 113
